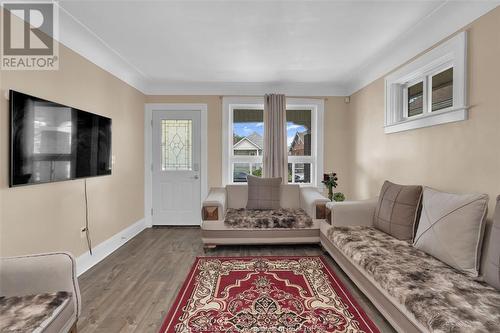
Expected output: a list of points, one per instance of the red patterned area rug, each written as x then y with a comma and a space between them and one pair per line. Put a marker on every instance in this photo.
264, 295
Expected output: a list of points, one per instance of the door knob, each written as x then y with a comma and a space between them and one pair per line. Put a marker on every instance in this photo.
196, 177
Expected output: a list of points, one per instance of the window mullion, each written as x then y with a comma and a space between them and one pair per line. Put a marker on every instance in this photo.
246, 159
405, 100
427, 94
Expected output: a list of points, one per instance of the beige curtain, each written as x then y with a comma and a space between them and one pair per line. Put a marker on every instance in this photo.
275, 149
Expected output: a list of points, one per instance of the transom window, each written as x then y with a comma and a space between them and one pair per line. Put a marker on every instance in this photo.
243, 145
429, 91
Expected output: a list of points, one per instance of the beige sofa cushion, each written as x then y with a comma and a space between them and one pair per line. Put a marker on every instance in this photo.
397, 209
491, 262
451, 228
263, 193
237, 196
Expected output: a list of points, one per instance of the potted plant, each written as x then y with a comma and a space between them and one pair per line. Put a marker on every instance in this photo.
338, 196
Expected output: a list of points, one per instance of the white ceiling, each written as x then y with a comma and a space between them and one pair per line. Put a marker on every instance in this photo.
246, 47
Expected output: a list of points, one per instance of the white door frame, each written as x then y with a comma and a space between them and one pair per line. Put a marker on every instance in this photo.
148, 150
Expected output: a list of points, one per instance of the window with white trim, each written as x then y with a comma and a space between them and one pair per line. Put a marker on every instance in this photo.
430, 90
247, 142
300, 145
243, 139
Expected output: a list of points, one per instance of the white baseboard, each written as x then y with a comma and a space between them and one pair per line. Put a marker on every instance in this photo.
104, 249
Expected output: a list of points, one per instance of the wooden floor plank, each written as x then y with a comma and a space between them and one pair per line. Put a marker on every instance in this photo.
133, 288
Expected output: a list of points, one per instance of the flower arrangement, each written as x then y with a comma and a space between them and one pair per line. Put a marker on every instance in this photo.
330, 180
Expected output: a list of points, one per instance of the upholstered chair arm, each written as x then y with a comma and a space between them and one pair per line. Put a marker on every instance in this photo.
38, 274
214, 206
313, 202
352, 213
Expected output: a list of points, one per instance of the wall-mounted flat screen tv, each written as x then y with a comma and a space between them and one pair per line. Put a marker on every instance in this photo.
51, 142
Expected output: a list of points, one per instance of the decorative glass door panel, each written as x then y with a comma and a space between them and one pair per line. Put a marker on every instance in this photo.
177, 144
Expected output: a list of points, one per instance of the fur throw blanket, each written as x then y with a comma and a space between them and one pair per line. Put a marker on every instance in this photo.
261, 219
27, 313
441, 298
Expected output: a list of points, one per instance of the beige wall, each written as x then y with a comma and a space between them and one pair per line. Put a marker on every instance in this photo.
48, 217
338, 142
335, 134
461, 157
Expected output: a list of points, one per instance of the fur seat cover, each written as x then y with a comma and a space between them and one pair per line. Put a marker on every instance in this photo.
261, 219
28, 313
438, 296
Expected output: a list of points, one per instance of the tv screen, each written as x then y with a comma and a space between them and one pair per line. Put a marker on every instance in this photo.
52, 142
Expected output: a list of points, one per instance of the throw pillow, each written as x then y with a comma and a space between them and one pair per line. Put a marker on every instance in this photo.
491, 262
397, 209
451, 228
263, 193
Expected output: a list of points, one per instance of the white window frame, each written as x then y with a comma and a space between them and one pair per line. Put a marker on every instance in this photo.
450, 54
249, 104
317, 119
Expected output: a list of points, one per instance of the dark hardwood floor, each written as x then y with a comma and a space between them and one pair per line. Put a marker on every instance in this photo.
132, 289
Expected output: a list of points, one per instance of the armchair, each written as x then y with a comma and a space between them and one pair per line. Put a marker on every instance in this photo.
23, 277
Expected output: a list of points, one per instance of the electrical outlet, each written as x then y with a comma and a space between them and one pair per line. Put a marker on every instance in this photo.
83, 232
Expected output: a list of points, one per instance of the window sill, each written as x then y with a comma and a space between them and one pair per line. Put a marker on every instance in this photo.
443, 117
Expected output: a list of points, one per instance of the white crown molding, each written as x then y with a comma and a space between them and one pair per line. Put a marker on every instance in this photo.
440, 24
79, 38
245, 88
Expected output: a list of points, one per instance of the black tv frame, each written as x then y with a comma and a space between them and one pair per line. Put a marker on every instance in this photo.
11, 142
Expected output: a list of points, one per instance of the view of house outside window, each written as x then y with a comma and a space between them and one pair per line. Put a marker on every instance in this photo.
248, 143
299, 140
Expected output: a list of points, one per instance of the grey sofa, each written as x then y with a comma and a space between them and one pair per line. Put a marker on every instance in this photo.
413, 290
39, 293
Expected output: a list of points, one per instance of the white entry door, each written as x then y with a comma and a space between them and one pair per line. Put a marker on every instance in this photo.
176, 168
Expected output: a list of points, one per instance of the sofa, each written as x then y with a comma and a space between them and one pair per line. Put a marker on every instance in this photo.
425, 258
232, 199
39, 293
413, 290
